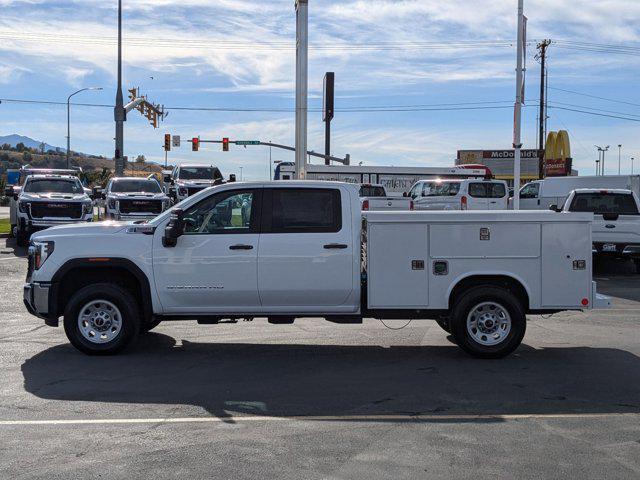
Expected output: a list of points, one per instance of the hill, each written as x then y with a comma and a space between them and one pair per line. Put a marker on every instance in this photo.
14, 139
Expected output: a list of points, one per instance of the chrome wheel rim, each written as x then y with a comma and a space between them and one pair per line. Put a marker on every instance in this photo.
99, 321
489, 323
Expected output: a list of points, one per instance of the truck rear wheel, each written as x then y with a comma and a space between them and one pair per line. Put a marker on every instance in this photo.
488, 322
101, 319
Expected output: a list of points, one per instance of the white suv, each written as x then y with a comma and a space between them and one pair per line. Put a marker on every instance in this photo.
466, 194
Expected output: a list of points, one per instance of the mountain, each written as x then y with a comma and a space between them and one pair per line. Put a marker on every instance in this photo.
14, 139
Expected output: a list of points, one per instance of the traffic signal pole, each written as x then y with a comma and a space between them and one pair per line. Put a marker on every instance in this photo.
302, 37
119, 111
517, 120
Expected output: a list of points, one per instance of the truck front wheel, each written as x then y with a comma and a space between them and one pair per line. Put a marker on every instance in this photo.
101, 319
488, 321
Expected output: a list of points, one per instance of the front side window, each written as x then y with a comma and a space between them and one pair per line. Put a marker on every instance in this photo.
416, 190
477, 190
199, 173
441, 189
604, 202
142, 186
304, 210
496, 190
53, 186
225, 212
530, 190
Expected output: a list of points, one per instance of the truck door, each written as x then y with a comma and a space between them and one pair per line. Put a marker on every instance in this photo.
530, 197
213, 267
478, 196
305, 259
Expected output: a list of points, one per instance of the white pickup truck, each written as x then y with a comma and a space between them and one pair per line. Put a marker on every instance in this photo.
285, 250
375, 198
616, 220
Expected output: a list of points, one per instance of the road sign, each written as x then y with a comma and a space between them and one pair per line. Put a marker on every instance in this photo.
247, 142
176, 140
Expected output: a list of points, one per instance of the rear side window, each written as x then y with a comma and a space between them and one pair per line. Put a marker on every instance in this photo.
441, 189
372, 191
478, 190
496, 190
603, 202
302, 210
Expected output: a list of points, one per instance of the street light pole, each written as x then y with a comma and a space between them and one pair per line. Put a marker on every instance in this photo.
517, 120
119, 113
602, 151
632, 165
302, 37
69, 118
270, 174
619, 156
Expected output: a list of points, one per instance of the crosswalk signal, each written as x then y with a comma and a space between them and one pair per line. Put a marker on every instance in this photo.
225, 144
167, 142
195, 144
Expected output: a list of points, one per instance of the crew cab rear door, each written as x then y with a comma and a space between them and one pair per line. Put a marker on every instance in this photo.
305, 258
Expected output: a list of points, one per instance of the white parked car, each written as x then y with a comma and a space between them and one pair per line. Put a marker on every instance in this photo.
305, 249
374, 198
46, 200
540, 194
134, 198
616, 222
467, 194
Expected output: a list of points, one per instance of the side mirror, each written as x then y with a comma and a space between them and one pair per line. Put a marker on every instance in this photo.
174, 229
103, 196
554, 208
166, 178
405, 194
96, 193
232, 177
8, 191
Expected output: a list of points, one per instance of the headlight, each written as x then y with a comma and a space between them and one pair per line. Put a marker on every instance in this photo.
87, 208
112, 203
40, 252
24, 206
183, 191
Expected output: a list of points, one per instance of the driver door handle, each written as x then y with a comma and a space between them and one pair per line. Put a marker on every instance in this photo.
241, 247
330, 246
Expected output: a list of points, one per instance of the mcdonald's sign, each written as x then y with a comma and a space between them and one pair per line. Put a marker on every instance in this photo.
557, 154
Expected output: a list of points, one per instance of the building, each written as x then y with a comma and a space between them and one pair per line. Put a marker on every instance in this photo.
500, 162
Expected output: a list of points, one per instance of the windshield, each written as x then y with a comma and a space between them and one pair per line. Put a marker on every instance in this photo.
440, 189
199, 173
144, 186
372, 191
47, 185
604, 202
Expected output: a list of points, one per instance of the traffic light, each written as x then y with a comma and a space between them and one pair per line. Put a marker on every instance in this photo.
195, 144
225, 144
167, 142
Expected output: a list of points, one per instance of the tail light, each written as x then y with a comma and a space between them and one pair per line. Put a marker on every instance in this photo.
410, 204
365, 205
463, 203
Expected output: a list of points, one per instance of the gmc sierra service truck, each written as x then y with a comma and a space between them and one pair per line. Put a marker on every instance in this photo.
284, 250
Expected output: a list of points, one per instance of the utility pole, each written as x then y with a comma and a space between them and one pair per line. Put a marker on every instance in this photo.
517, 140
302, 50
327, 112
619, 156
119, 112
601, 151
542, 46
632, 165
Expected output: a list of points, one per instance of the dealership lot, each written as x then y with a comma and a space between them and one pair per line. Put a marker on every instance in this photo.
319, 400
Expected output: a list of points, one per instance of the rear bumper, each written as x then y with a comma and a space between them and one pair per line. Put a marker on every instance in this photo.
628, 250
599, 301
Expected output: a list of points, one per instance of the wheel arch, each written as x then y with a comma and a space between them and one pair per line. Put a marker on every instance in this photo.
79, 272
511, 282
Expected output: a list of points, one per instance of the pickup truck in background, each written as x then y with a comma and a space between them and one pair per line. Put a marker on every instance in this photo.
46, 200
374, 197
187, 179
285, 250
134, 198
616, 220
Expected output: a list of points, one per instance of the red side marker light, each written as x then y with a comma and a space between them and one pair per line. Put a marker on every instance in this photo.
585, 302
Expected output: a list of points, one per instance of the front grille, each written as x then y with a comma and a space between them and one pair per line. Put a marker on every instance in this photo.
140, 206
56, 210
192, 190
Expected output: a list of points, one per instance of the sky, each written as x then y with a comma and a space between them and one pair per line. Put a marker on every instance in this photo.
425, 72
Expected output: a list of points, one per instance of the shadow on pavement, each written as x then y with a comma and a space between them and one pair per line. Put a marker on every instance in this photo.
296, 380
10, 244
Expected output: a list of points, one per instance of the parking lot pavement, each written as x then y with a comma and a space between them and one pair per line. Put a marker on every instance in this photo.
319, 400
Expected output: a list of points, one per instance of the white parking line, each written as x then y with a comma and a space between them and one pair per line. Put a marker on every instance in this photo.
12, 258
311, 418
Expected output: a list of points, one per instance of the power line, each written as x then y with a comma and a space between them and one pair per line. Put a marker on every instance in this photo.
595, 96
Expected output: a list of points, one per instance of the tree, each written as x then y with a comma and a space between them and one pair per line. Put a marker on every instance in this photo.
26, 156
6, 146
141, 159
20, 147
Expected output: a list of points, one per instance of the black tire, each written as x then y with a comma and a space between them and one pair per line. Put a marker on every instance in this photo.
444, 324
148, 326
129, 312
22, 238
468, 301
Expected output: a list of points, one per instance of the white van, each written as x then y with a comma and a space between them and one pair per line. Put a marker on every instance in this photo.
467, 194
540, 194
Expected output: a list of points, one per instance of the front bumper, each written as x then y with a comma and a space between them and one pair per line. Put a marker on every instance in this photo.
36, 300
40, 224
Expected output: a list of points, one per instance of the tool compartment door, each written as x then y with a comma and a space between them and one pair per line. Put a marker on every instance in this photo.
397, 258
563, 283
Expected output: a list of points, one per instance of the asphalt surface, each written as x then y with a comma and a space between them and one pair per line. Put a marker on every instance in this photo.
318, 400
